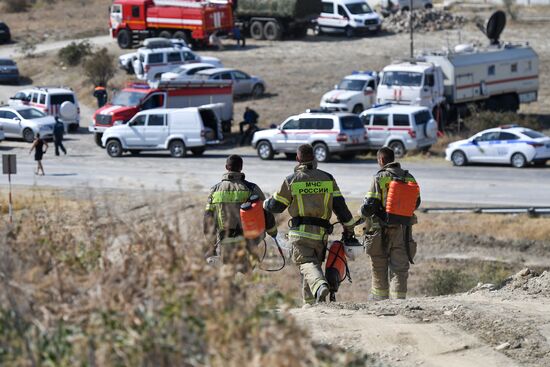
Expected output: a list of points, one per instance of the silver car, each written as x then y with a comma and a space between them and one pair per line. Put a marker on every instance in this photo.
243, 84
25, 122
337, 133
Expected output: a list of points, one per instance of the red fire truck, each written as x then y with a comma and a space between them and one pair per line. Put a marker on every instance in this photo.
217, 95
190, 20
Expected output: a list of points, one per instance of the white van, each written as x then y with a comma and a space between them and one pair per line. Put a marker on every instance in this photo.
177, 130
395, 5
348, 16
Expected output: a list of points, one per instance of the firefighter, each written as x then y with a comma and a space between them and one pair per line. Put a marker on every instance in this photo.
100, 94
310, 195
389, 244
222, 223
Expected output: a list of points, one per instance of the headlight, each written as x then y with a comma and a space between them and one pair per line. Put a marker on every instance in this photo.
358, 20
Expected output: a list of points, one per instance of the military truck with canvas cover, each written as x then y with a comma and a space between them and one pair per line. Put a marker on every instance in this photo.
275, 19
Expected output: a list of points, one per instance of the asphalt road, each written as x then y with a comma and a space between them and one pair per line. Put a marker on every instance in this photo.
88, 166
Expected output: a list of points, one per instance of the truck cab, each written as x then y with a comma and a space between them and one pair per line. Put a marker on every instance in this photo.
411, 83
354, 93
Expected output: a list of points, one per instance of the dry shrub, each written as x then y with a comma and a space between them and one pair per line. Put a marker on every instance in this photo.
482, 119
16, 6
101, 289
99, 67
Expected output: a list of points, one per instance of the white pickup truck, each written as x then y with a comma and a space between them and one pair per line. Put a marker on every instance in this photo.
355, 93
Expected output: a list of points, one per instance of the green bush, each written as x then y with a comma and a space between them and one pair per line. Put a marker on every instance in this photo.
100, 67
441, 282
75, 52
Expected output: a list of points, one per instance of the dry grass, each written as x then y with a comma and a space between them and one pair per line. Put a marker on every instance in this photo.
63, 19
85, 285
502, 227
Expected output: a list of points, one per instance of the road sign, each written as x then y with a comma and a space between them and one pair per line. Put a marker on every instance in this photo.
9, 164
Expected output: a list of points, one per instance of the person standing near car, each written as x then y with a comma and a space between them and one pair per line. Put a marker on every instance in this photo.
250, 119
238, 36
100, 94
311, 196
389, 241
58, 132
40, 147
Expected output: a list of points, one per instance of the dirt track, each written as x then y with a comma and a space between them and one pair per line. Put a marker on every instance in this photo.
461, 330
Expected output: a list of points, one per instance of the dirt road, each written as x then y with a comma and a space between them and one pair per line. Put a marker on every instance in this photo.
506, 327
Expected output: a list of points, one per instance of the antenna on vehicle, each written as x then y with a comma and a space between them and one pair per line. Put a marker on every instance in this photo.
494, 27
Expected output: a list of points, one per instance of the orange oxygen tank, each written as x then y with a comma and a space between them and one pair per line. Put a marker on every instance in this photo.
336, 267
253, 218
401, 201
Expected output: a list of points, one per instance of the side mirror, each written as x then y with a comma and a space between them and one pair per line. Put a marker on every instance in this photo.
17, 119
335, 86
475, 141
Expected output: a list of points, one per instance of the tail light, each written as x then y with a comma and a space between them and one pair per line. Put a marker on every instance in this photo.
535, 145
78, 110
366, 135
203, 133
412, 133
147, 68
342, 137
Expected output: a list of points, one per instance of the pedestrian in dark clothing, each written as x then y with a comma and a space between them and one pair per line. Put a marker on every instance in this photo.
100, 93
250, 117
58, 132
39, 151
238, 36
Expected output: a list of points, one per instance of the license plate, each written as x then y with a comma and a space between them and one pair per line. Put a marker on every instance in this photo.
372, 28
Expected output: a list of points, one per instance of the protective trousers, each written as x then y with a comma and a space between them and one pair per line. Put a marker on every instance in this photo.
389, 261
309, 255
240, 253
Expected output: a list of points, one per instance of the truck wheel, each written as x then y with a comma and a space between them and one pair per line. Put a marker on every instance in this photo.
257, 30
272, 31
518, 160
357, 109
398, 148
226, 127
124, 39
97, 139
177, 149
265, 151
197, 152
349, 32
459, 158
183, 36
165, 34
114, 148
321, 153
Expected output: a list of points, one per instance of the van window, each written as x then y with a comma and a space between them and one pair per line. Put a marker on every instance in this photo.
9, 115
324, 124
351, 123
189, 56
307, 124
514, 67
400, 120
380, 120
135, 11
342, 12
56, 99
34, 98
155, 58
491, 70
139, 121
366, 119
174, 57
422, 117
156, 120
328, 8
42, 98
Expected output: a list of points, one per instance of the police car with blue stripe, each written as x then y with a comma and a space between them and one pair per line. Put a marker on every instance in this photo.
510, 144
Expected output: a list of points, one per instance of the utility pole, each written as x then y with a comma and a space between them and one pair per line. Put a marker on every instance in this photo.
411, 27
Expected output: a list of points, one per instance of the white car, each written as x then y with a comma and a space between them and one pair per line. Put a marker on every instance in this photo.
348, 16
150, 63
175, 129
354, 93
510, 144
400, 127
25, 122
51, 100
243, 84
335, 133
186, 72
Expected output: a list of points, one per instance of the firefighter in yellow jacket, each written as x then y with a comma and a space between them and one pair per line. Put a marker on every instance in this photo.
222, 222
389, 243
311, 196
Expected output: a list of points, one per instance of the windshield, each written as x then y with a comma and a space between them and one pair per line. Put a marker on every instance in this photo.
31, 113
126, 98
6, 63
402, 78
533, 134
350, 84
359, 8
